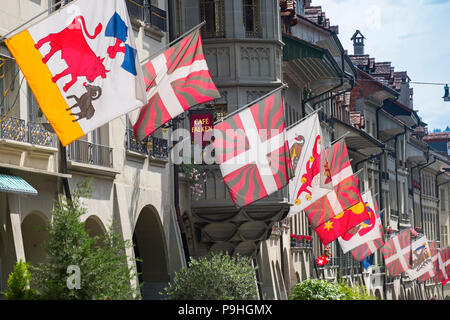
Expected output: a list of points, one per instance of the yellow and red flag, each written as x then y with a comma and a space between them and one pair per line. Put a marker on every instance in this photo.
82, 66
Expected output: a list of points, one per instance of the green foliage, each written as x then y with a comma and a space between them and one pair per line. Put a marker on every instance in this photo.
216, 276
104, 272
316, 289
19, 283
355, 292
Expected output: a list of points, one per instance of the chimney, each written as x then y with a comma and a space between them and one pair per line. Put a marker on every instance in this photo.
358, 43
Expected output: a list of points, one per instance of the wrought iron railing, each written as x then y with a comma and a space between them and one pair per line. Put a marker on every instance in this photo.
90, 153
38, 134
34, 133
14, 129
133, 145
148, 13
158, 148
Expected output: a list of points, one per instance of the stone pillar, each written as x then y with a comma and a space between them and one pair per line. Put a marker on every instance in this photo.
16, 225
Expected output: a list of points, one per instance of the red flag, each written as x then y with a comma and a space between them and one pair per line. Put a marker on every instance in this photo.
252, 151
345, 193
363, 251
443, 273
176, 80
341, 223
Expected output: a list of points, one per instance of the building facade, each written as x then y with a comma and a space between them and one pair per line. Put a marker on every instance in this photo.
132, 183
251, 47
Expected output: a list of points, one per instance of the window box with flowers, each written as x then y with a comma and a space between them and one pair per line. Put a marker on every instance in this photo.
300, 241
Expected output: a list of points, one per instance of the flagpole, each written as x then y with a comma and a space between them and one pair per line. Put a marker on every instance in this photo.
4, 37
173, 42
251, 103
305, 117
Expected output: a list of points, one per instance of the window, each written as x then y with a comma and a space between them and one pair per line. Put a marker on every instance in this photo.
251, 17
35, 114
444, 236
213, 12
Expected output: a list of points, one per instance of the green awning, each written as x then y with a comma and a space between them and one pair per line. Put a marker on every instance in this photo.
311, 62
15, 185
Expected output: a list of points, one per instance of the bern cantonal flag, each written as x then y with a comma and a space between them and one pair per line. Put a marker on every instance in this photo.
369, 248
176, 80
343, 201
365, 231
401, 254
82, 66
252, 151
307, 153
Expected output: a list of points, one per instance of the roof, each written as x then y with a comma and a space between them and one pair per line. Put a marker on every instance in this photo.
356, 33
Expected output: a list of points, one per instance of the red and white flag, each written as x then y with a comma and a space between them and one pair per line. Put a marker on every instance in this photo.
341, 208
434, 252
443, 268
308, 158
176, 80
401, 254
366, 249
365, 231
252, 151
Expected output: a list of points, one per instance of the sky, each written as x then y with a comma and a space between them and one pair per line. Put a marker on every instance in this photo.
413, 34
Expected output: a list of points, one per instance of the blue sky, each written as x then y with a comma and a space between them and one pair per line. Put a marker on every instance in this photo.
413, 34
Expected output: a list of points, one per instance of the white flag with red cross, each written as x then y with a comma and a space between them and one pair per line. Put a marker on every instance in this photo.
252, 151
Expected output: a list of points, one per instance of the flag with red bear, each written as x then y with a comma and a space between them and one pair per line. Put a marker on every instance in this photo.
253, 152
342, 208
175, 80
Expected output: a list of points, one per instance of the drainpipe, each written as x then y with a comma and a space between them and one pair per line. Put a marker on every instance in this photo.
421, 205
170, 10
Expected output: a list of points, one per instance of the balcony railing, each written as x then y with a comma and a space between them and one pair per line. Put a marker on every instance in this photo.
34, 133
151, 15
158, 148
90, 153
155, 147
133, 145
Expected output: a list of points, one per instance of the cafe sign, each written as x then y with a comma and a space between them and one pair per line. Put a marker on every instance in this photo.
202, 125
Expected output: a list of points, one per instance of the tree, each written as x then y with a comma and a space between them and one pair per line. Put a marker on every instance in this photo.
216, 276
19, 283
316, 289
103, 269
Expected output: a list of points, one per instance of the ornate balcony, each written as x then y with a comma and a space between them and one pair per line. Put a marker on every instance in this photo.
33, 133
156, 148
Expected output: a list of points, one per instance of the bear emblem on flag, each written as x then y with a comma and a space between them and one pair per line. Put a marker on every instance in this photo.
72, 43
